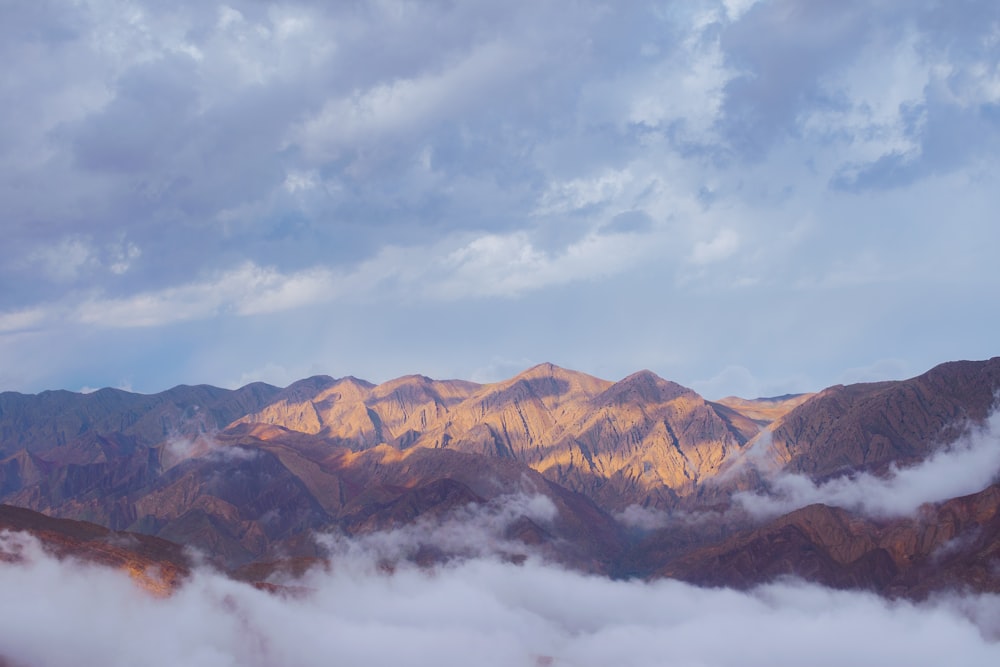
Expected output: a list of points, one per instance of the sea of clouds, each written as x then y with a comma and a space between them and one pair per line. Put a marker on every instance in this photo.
481, 609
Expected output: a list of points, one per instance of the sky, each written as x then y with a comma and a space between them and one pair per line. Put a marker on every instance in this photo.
749, 198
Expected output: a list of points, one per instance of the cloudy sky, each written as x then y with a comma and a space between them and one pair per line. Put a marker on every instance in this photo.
745, 197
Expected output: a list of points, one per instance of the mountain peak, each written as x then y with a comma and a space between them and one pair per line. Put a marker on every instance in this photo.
404, 381
557, 380
313, 381
354, 382
546, 369
550, 371
646, 386
645, 375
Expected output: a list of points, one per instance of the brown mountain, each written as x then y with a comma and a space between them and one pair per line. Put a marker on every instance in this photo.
252, 474
642, 440
953, 545
106, 424
765, 410
360, 414
868, 426
255, 491
154, 564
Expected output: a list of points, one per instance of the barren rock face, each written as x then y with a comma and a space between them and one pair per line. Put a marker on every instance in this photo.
639, 474
645, 439
156, 565
954, 545
868, 426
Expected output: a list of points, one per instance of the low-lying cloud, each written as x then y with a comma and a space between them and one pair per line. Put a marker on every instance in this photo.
477, 611
471, 531
643, 518
179, 448
967, 466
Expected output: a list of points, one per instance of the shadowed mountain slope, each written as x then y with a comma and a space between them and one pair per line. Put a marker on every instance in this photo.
83, 428
256, 474
952, 545
868, 426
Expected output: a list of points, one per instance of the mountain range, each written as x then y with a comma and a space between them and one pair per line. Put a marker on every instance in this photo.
641, 477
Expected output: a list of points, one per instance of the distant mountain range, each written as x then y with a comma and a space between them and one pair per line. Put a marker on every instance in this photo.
644, 476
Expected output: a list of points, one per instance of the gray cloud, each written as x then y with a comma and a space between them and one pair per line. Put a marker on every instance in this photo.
782, 51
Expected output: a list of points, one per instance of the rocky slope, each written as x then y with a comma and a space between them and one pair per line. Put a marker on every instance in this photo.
255, 491
83, 428
954, 545
642, 440
636, 477
156, 565
868, 426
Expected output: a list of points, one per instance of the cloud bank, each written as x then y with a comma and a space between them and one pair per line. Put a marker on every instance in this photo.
480, 611
967, 466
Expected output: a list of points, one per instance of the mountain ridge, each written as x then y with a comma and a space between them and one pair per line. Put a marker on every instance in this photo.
250, 475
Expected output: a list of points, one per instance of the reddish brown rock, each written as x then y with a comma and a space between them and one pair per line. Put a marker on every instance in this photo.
869, 426
955, 545
156, 565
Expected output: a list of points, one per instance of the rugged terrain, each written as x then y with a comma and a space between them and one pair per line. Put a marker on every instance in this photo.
157, 565
637, 477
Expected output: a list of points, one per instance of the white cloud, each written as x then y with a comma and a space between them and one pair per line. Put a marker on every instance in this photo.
122, 255
472, 531
968, 84
722, 246
508, 265
683, 92
457, 268
178, 448
23, 320
75, 257
66, 260
395, 109
477, 611
301, 181
578, 193
876, 105
737, 8
967, 466
644, 518
247, 290
229, 16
